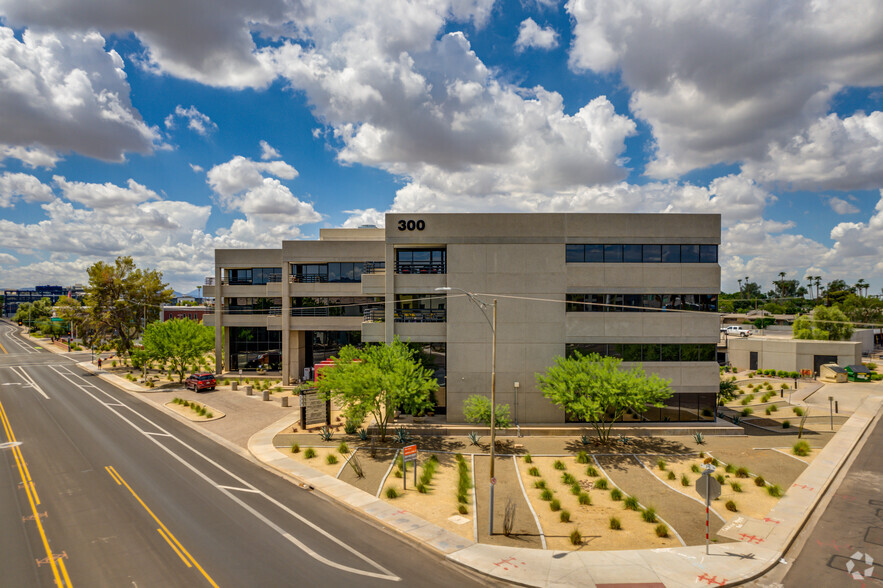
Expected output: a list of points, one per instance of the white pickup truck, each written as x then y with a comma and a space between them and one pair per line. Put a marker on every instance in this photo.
736, 330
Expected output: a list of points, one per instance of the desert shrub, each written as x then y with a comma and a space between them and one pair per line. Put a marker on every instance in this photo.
575, 489
350, 427
601, 484
564, 516
582, 457
539, 484
616, 494
731, 506
695, 469
534, 471
546, 495
685, 480
736, 486
775, 491
310, 453
615, 524
759, 481
649, 515
768, 410
786, 424
672, 476
584, 498
661, 530
342, 448
721, 479
773, 408
798, 411
391, 493
295, 448
462, 509
742, 473
715, 462
730, 468
555, 505
801, 448
559, 465
661, 464
575, 537
422, 488
591, 472
631, 503
397, 473
568, 478
331, 459
747, 412
528, 459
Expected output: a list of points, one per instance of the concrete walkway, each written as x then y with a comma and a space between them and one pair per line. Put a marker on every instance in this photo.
757, 548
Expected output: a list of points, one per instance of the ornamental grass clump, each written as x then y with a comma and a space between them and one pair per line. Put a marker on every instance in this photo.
672, 476
631, 503
295, 448
801, 448
661, 530
615, 524
564, 516
601, 484
534, 471
555, 505
310, 453
774, 490
559, 465
576, 537
568, 479
649, 515
616, 494
584, 499
582, 457
546, 495
685, 480
591, 472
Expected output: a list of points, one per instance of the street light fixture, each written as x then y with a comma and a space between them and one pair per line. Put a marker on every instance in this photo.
482, 305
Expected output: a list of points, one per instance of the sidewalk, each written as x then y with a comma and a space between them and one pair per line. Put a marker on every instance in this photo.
759, 543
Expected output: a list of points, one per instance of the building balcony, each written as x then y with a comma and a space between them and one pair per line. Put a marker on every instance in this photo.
374, 284
626, 327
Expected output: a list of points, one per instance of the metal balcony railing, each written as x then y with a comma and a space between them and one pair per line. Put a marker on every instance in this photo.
209, 281
274, 279
307, 278
428, 267
420, 315
240, 310
374, 315
310, 311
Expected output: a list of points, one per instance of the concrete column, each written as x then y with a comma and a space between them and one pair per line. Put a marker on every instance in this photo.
219, 341
297, 352
286, 324
390, 295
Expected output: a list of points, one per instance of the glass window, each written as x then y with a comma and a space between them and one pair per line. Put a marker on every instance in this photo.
631, 352
632, 253
671, 352
614, 303
651, 352
334, 272
613, 254
573, 303
594, 253
689, 253
652, 253
404, 255
422, 256
652, 300
691, 302
597, 302
707, 352
706, 406
708, 253
689, 352
575, 254
689, 407
358, 269
669, 410
671, 254
632, 302
614, 350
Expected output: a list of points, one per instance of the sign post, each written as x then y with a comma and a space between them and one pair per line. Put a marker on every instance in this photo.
709, 489
409, 453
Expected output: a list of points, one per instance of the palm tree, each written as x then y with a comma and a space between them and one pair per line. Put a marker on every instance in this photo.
809, 279
818, 280
861, 285
782, 283
740, 285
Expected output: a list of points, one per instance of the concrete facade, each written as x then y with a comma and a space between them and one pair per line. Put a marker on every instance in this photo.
518, 259
793, 355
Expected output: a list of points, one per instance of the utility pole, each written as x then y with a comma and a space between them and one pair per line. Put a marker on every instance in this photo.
493, 479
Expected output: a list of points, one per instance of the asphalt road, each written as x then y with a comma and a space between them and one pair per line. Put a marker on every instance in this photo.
122, 494
852, 525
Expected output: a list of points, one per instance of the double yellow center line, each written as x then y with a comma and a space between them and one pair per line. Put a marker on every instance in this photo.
163, 531
59, 570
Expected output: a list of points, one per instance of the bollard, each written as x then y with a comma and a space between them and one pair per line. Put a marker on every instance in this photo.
836, 407
248, 390
266, 395
285, 402
234, 385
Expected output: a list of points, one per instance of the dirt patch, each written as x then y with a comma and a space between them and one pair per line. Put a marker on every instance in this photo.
190, 414
593, 521
439, 504
320, 460
373, 468
508, 491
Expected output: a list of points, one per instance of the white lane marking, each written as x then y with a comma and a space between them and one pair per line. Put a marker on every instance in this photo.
21, 371
154, 434
386, 575
112, 404
235, 489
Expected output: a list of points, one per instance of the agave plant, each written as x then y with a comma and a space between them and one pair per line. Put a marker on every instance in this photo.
326, 434
363, 434
402, 435
699, 438
474, 438
584, 439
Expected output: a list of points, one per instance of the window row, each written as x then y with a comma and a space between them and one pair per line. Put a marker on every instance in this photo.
344, 271
640, 302
333, 306
641, 253
253, 276
420, 308
648, 351
421, 261
249, 305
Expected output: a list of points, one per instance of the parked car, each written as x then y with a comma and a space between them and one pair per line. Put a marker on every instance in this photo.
736, 330
200, 382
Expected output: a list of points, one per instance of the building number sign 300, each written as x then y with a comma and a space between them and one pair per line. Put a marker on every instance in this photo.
411, 225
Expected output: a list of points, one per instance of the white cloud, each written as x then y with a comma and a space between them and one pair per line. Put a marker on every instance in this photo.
268, 152
6, 259
831, 154
105, 195
197, 122
196, 168
369, 216
63, 92
240, 174
841, 206
530, 34
14, 185
697, 79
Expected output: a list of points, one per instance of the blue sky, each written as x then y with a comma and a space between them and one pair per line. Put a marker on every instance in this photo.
164, 130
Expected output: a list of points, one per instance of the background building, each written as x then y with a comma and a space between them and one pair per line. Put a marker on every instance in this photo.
616, 284
12, 298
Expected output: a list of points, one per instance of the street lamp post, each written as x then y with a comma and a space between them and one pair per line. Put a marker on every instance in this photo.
493, 323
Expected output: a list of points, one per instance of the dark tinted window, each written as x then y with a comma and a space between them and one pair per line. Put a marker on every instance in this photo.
671, 254
631, 352
631, 253
613, 254
595, 253
689, 253
708, 253
576, 253
652, 253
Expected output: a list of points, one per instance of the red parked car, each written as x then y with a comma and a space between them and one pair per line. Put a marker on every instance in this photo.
200, 382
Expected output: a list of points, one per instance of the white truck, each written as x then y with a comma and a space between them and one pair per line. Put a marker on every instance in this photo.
736, 331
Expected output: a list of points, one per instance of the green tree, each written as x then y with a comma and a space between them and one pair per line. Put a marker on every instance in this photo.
826, 324
597, 390
861, 309
728, 391
179, 342
477, 409
29, 313
122, 299
378, 380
